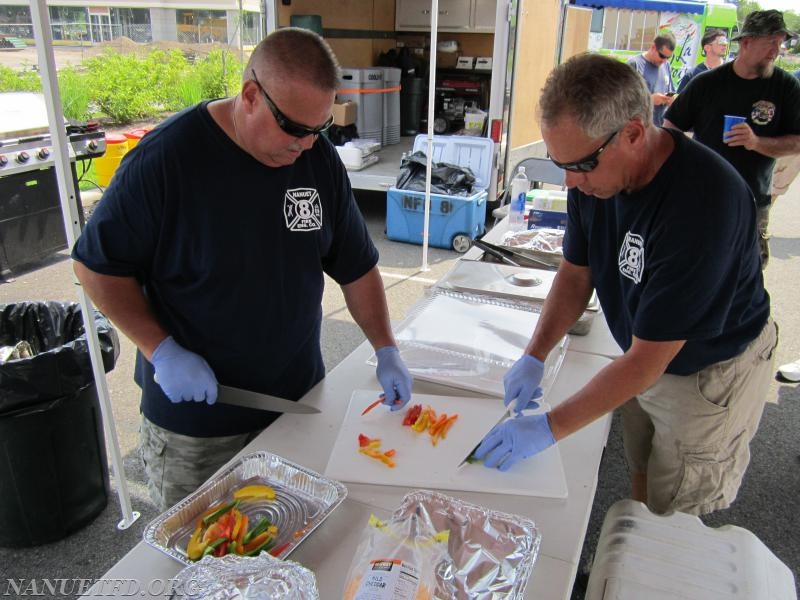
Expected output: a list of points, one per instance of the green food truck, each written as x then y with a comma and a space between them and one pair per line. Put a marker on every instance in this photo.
627, 27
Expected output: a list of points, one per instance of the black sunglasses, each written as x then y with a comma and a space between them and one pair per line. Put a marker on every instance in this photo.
663, 57
287, 125
587, 163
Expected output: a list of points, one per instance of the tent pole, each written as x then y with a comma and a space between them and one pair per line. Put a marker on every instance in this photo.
69, 210
431, 118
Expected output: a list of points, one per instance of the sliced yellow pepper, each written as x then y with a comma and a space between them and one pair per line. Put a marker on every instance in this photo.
255, 492
195, 547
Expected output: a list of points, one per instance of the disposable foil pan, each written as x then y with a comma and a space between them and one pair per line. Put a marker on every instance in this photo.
245, 578
492, 553
304, 499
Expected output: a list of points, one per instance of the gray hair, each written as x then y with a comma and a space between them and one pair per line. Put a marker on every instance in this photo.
599, 92
295, 53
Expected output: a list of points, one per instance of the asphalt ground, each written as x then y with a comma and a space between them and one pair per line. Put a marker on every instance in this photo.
767, 503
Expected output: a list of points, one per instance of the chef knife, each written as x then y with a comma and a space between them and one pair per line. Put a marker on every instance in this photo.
508, 413
248, 399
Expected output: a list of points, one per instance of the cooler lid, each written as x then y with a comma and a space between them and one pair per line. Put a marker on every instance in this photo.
477, 153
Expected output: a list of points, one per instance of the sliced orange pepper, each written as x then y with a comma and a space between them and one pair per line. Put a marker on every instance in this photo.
255, 542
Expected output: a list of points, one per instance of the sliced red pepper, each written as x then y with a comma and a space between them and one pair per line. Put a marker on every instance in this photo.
412, 415
390, 453
371, 406
363, 440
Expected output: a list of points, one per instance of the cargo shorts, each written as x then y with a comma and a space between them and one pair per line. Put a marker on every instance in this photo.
691, 434
176, 465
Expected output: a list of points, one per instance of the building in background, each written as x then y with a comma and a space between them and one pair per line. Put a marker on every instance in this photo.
74, 21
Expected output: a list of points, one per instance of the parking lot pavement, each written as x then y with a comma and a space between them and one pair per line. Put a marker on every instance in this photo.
767, 505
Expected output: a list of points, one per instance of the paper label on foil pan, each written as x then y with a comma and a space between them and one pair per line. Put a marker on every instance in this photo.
389, 579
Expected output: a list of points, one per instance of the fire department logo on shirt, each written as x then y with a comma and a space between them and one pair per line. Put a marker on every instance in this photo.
762, 113
631, 257
302, 209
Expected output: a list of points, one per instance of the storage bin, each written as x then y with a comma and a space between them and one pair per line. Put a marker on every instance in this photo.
454, 220
365, 88
106, 165
391, 106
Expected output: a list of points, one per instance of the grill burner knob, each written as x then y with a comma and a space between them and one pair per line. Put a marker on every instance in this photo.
92, 145
43, 153
23, 157
3, 160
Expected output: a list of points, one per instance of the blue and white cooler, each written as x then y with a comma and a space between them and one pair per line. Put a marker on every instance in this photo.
454, 220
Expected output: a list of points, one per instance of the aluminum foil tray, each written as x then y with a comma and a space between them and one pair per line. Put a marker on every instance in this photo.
304, 499
493, 553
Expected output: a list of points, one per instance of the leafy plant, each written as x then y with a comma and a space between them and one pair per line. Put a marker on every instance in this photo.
75, 94
220, 74
19, 81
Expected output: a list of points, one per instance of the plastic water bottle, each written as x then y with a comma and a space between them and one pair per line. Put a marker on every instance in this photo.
516, 207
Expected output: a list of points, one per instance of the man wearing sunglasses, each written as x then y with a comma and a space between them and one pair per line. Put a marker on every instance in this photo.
653, 65
715, 48
680, 286
209, 251
752, 87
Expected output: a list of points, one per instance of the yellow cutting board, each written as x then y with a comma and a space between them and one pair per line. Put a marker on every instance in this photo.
420, 464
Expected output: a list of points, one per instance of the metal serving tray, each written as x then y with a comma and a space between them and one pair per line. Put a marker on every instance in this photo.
304, 499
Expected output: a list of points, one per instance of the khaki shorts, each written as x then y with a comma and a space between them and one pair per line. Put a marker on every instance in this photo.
691, 434
176, 465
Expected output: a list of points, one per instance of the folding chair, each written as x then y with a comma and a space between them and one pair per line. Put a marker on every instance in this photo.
538, 171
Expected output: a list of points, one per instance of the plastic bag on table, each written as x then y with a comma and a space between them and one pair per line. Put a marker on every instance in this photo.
398, 559
447, 179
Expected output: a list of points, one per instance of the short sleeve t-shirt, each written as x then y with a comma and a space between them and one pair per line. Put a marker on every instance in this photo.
772, 108
231, 255
658, 79
676, 260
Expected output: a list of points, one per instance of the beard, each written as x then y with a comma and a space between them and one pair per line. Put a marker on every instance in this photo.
765, 69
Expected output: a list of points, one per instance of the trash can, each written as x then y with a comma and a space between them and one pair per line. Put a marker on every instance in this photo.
53, 465
105, 166
412, 90
134, 136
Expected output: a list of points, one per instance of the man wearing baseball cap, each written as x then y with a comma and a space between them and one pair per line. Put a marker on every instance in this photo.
749, 87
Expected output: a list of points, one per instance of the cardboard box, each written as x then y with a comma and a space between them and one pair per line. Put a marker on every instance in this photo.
344, 113
547, 218
483, 63
465, 62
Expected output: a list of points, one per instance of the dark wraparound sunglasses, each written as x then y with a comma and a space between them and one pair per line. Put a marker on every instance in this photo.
663, 56
587, 163
286, 124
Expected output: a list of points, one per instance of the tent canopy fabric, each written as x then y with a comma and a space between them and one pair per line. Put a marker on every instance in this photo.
680, 6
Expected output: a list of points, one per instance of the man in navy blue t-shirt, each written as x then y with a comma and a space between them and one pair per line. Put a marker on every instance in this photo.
664, 229
209, 250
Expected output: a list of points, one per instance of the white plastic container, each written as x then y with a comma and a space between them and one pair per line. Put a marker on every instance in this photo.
641, 555
516, 206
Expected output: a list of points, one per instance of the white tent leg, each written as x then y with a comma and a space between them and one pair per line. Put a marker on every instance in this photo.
69, 210
431, 115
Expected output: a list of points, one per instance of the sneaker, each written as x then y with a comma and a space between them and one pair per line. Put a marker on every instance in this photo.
790, 372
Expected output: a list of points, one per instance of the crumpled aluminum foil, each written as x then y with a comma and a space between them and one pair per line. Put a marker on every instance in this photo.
492, 553
232, 577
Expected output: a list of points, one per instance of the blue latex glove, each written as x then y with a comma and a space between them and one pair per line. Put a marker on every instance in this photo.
394, 377
183, 375
522, 383
513, 440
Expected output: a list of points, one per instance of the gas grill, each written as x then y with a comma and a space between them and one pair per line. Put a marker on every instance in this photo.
31, 224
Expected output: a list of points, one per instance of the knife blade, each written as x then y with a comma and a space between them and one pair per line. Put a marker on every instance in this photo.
249, 399
509, 412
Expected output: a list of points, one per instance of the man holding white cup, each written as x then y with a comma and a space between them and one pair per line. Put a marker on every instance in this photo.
768, 99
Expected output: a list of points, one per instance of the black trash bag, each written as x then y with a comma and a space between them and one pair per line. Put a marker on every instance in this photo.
447, 179
60, 365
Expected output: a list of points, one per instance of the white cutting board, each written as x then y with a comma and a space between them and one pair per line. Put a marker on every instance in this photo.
420, 464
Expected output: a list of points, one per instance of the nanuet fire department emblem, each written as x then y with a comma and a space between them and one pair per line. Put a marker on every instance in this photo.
302, 209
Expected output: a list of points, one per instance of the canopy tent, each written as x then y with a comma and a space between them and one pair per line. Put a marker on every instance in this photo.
69, 210
680, 6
